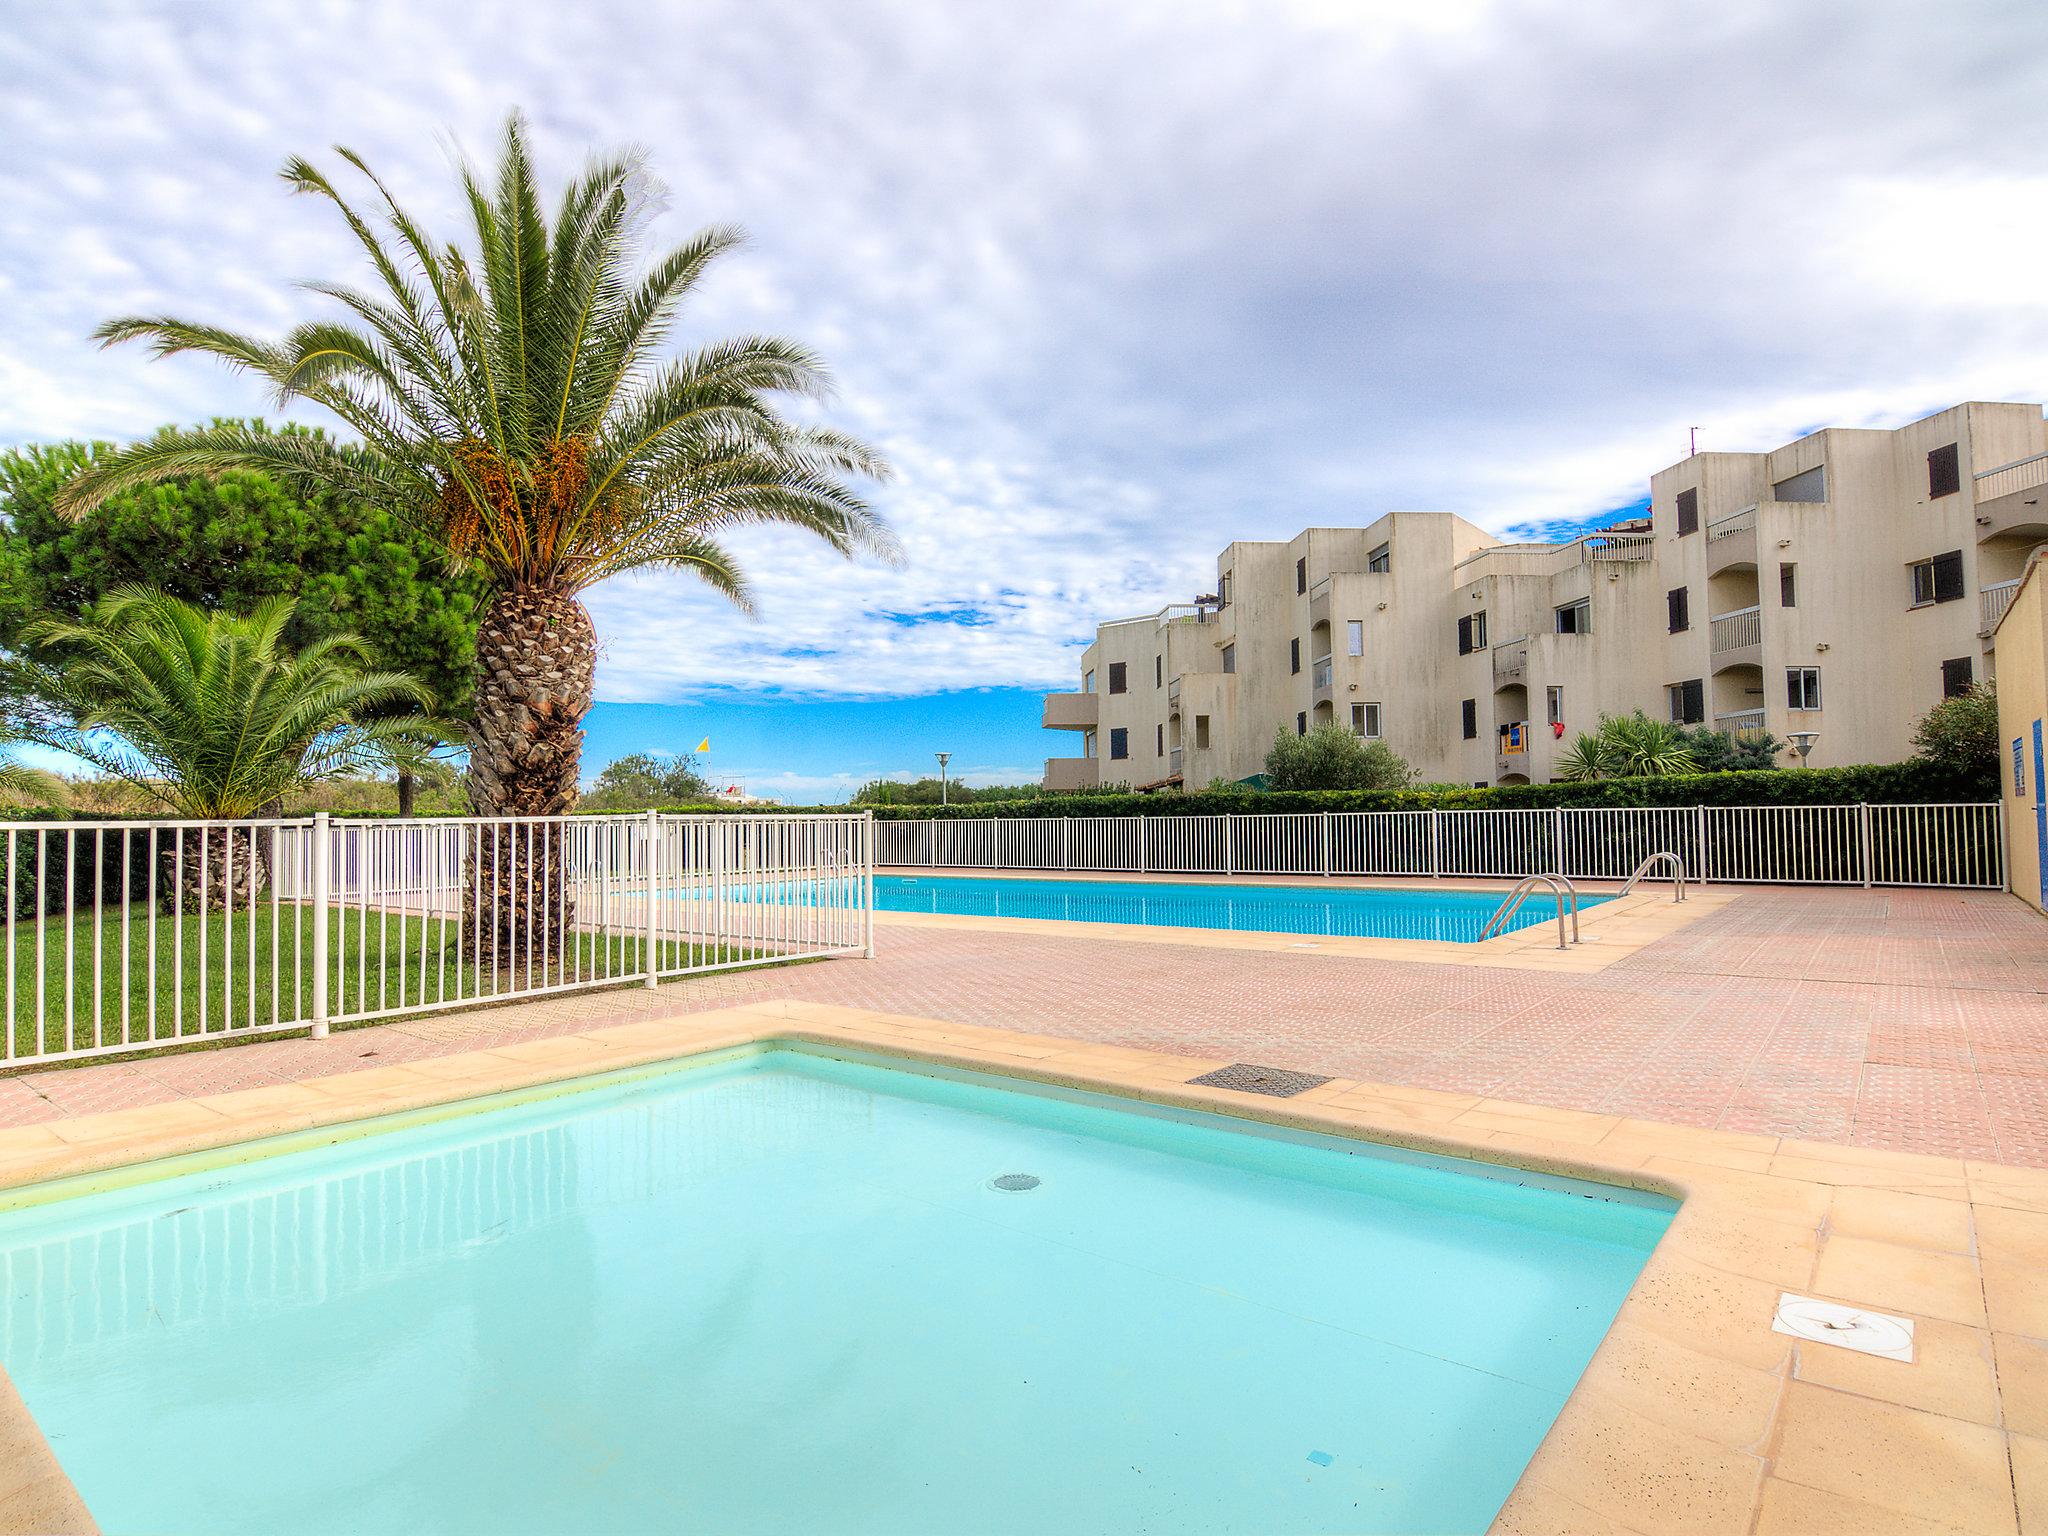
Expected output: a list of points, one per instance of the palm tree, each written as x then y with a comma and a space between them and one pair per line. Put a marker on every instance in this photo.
510, 395
1631, 746
1583, 760
211, 716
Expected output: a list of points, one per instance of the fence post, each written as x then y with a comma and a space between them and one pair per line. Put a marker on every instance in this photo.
1230, 842
1144, 844
320, 875
1700, 835
1557, 838
1323, 833
867, 883
931, 842
1868, 847
1436, 860
653, 898
1066, 842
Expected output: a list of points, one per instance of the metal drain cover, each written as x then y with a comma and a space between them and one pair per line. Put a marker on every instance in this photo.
1829, 1322
1014, 1181
1275, 1082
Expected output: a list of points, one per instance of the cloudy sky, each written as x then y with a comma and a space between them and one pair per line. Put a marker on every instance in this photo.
1110, 283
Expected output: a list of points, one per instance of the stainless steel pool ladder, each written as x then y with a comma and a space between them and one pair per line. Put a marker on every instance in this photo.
1559, 886
1662, 856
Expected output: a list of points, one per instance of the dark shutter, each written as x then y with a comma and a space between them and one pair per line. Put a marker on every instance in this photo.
1470, 711
1679, 603
1120, 743
1692, 706
1948, 576
1301, 575
1465, 636
1294, 655
1688, 512
1955, 678
1159, 741
1116, 677
1301, 725
1944, 471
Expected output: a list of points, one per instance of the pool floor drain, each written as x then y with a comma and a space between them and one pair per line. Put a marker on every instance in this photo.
1014, 1181
1247, 1077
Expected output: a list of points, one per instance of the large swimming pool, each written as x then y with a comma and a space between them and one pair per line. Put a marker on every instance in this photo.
786, 1292
1458, 916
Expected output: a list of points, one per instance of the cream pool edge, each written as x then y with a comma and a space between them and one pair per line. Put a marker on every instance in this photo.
1693, 1415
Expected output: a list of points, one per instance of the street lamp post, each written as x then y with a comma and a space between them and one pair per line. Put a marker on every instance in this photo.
944, 758
1802, 743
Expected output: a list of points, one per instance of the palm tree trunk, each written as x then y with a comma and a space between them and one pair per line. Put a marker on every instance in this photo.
536, 663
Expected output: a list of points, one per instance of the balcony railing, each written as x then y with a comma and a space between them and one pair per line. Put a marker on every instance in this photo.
1734, 523
1319, 675
1173, 689
1741, 722
1734, 631
1616, 546
1992, 602
2020, 475
1511, 662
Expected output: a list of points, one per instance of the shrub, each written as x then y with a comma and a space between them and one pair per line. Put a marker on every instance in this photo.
1330, 757
1960, 735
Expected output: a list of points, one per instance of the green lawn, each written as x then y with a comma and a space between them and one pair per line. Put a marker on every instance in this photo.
388, 961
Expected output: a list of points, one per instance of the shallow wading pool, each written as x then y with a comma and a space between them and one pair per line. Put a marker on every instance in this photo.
1330, 911
782, 1290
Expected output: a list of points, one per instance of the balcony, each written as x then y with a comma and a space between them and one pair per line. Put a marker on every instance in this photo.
1731, 540
1511, 752
1173, 762
1070, 712
1173, 692
1737, 639
1992, 602
2013, 499
1741, 722
1319, 674
1319, 603
1511, 663
1070, 773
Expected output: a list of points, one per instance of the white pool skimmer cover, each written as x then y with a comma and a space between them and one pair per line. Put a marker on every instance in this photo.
1829, 1322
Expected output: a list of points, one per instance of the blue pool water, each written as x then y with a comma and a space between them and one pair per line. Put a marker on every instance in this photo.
1458, 916
780, 1292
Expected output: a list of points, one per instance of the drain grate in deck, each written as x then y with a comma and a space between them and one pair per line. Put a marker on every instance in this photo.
1272, 1081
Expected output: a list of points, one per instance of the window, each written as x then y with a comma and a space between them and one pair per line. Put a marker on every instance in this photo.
1955, 677
1159, 741
1294, 656
1688, 701
1576, 618
1301, 725
1807, 485
1119, 743
1469, 711
1802, 687
1788, 585
1229, 659
1944, 472
1939, 580
1354, 637
1472, 633
1088, 681
1688, 512
1201, 733
1554, 701
1678, 606
1223, 590
1116, 677
1365, 721
1158, 671
1301, 574
1381, 559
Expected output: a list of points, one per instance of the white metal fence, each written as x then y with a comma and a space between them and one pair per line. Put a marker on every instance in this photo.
126, 936
1928, 845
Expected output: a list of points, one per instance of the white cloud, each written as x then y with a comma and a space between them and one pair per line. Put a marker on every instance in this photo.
1112, 284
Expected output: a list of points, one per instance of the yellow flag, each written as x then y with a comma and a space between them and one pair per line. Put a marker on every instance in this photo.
704, 745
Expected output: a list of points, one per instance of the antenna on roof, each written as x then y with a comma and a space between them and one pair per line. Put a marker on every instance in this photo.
1695, 448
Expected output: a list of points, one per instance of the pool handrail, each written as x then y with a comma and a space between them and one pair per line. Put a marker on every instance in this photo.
1677, 872
1559, 886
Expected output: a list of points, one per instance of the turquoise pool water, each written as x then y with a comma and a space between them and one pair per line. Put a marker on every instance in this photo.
781, 1293
1458, 916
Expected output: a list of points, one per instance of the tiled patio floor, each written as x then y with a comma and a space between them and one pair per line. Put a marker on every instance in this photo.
1909, 1020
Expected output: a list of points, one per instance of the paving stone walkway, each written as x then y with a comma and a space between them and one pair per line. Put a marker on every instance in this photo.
1909, 1020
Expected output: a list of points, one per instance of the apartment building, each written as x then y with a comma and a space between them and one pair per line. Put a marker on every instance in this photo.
1831, 591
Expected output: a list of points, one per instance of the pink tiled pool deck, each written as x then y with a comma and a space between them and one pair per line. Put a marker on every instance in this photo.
1907, 1020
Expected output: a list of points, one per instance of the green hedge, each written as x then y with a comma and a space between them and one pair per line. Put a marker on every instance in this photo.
1879, 783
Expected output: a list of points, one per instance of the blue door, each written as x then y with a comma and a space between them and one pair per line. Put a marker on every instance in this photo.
2040, 817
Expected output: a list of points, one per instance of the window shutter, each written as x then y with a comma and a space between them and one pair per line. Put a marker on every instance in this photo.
1955, 677
1693, 707
1680, 605
1688, 512
1294, 656
1944, 471
1470, 712
1948, 576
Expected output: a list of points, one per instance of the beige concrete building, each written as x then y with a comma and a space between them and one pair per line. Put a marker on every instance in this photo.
1836, 587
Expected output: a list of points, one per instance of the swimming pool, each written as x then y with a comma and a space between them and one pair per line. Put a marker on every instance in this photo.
1385, 913
783, 1290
